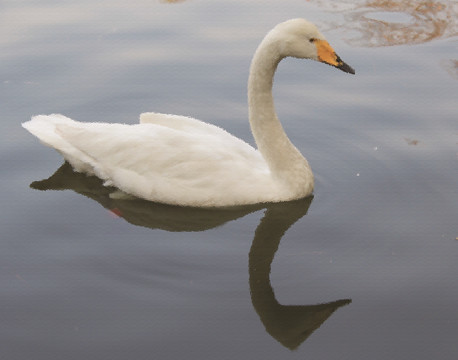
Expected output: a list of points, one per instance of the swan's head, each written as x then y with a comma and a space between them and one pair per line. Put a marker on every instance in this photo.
300, 38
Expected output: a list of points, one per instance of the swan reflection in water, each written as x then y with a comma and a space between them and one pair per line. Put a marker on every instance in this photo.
288, 324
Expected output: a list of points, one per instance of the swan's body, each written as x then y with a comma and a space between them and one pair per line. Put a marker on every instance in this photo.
183, 161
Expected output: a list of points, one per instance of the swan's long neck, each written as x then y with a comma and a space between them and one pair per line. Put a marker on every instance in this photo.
286, 163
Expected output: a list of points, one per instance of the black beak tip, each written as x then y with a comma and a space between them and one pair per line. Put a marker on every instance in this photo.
345, 68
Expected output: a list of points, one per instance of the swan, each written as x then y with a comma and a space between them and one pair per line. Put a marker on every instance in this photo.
182, 161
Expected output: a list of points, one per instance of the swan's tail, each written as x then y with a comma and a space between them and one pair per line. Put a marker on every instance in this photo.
46, 128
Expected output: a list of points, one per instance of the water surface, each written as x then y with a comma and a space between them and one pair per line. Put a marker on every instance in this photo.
364, 269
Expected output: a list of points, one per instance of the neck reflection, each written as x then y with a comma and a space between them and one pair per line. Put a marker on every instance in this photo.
290, 325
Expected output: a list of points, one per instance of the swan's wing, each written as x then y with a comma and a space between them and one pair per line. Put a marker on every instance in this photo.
165, 164
182, 123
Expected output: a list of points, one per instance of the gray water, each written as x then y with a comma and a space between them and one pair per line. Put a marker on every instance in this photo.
366, 269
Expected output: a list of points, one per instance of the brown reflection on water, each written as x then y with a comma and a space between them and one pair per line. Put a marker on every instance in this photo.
451, 66
378, 22
171, 1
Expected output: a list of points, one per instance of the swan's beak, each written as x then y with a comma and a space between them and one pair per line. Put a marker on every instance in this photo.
327, 55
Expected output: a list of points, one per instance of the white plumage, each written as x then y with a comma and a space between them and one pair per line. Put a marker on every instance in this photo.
183, 161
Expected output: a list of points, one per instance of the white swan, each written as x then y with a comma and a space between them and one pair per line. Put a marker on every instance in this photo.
183, 161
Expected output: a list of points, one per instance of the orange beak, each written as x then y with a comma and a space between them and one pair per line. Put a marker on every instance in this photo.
327, 55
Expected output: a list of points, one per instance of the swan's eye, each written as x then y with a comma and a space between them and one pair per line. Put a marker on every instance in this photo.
312, 40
